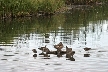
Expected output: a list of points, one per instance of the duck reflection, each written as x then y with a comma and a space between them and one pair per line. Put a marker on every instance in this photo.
71, 59
69, 52
35, 55
86, 55
44, 54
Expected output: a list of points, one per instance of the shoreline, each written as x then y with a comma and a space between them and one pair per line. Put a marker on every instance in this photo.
42, 13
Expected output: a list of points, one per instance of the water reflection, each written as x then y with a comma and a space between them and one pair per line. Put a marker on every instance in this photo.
76, 29
86, 55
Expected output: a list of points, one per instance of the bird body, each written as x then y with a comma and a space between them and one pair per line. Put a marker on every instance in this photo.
44, 49
86, 49
34, 50
59, 46
69, 52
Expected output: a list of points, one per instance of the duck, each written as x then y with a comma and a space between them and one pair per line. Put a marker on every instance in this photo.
86, 48
59, 46
44, 49
34, 50
68, 49
41, 48
69, 52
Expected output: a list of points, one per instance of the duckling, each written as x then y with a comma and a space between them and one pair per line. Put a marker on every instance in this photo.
86, 49
68, 49
69, 52
59, 46
44, 49
34, 50
59, 51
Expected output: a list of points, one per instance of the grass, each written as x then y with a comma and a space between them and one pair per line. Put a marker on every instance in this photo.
17, 8
85, 2
22, 8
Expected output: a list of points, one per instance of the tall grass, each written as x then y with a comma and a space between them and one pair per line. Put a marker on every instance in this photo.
85, 2
15, 8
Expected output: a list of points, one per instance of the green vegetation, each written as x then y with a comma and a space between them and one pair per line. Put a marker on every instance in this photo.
69, 21
88, 1
85, 2
20, 8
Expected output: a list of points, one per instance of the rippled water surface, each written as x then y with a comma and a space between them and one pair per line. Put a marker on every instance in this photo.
77, 28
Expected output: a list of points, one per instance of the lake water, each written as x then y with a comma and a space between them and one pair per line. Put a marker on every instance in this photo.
77, 28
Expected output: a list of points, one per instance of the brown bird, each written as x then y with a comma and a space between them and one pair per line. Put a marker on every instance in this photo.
68, 49
34, 50
59, 46
44, 49
69, 52
86, 49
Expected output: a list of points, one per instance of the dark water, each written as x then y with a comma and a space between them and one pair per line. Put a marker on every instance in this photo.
77, 28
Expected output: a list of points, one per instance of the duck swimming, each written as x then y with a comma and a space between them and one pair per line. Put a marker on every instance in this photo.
86, 49
59, 46
34, 50
44, 49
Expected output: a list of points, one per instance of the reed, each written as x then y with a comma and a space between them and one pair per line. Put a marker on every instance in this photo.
22, 8
17, 8
85, 2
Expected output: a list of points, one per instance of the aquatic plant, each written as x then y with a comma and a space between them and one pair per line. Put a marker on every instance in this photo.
20, 8
85, 2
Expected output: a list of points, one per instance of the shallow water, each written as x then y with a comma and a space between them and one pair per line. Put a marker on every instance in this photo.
77, 28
